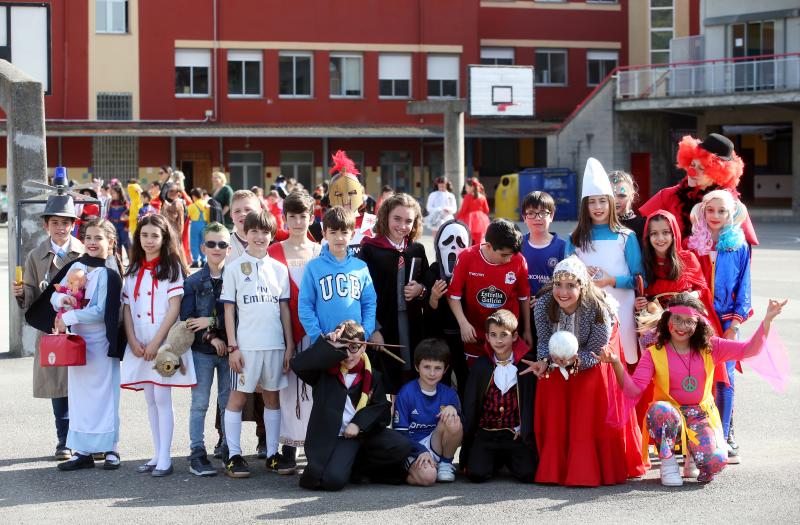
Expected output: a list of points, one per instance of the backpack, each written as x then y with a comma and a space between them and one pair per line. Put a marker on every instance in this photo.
215, 211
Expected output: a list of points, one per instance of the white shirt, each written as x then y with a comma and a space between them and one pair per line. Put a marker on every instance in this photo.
153, 302
349, 409
505, 376
256, 287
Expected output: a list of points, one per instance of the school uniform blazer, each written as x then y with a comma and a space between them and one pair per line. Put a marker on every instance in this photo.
325, 421
478, 383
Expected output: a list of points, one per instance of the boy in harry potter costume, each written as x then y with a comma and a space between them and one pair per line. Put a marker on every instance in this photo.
41, 266
347, 438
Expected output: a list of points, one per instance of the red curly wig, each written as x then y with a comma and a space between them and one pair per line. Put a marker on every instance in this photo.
724, 173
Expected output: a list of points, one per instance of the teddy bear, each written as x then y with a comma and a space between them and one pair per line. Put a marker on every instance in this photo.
168, 358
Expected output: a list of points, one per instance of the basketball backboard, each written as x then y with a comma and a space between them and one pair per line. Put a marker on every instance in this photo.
501, 91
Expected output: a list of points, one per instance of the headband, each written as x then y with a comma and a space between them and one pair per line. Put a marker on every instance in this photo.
688, 310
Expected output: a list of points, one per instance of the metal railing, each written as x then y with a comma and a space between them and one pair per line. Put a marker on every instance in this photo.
710, 77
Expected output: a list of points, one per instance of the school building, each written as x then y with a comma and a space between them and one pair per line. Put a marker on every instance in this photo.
261, 87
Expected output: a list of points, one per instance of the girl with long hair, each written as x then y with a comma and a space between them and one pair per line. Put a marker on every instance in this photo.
152, 299
724, 254
680, 365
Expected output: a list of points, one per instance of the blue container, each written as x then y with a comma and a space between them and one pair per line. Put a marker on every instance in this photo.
561, 183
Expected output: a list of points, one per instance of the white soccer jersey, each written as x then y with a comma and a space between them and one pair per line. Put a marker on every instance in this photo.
256, 287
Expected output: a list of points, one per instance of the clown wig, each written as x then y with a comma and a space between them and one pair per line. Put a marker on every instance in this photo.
723, 173
730, 237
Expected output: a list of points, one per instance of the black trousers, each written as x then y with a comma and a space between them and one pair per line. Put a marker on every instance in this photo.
458, 362
494, 449
378, 456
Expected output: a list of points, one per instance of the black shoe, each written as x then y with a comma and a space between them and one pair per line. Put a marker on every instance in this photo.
220, 449
112, 460
281, 465
76, 462
199, 465
261, 449
289, 453
62, 452
236, 467
98, 456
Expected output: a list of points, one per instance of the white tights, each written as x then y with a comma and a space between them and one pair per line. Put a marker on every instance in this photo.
159, 410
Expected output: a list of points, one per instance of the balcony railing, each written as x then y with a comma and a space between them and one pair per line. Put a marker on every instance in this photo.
710, 77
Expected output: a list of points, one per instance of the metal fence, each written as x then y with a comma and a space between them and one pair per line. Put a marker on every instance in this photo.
710, 77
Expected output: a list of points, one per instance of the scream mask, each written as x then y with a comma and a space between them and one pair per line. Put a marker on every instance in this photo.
452, 239
345, 189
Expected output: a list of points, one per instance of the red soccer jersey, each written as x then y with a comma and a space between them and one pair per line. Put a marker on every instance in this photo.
487, 287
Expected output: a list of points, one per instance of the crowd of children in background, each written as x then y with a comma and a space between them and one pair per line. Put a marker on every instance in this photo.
352, 356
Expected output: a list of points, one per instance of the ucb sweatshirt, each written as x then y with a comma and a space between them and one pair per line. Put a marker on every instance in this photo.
333, 291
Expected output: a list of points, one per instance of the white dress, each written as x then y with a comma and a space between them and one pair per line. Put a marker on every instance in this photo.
296, 399
441, 206
93, 390
147, 312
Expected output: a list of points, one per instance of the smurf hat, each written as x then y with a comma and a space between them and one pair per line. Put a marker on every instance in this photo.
595, 180
571, 267
59, 206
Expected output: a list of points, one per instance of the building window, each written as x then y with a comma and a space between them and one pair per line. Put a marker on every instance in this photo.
599, 64
661, 30
551, 67
346, 72
298, 165
25, 39
244, 73
115, 158
246, 169
497, 56
295, 74
394, 75
114, 106
111, 16
192, 67
443, 73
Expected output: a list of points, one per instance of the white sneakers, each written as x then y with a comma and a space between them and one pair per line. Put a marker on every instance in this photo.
670, 473
446, 472
690, 469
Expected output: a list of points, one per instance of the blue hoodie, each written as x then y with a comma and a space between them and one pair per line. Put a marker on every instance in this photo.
333, 291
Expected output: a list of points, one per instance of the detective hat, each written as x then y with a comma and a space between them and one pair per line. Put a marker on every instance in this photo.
719, 145
59, 206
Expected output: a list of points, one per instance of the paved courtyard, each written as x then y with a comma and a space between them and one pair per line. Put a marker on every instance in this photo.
763, 488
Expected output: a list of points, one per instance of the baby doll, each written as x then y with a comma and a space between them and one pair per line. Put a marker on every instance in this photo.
75, 289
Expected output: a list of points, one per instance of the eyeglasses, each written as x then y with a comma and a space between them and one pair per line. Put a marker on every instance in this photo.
537, 214
217, 244
686, 323
354, 348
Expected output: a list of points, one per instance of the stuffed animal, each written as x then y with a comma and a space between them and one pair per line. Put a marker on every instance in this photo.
168, 358
75, 288
562, 345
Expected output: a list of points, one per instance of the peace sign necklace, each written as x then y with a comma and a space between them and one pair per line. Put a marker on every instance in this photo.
689, 383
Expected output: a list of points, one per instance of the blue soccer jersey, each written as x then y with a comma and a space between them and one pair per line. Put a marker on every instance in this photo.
415, 413
542, 261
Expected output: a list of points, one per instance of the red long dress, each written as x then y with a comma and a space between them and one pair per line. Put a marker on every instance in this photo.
578, 444
474, 213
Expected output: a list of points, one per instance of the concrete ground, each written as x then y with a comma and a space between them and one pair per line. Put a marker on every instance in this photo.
763, 488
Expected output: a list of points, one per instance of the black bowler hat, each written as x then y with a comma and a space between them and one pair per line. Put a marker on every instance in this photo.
719, 145
59, 206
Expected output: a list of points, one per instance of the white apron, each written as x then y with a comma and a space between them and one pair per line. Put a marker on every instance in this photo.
296, 403
610, 256
94, 394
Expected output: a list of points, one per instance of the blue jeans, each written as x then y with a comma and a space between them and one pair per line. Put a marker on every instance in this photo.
204, 367
61, 413
196, 232
724, 398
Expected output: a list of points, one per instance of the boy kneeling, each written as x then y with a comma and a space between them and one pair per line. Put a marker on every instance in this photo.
498, 406
429, 413
347, 436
